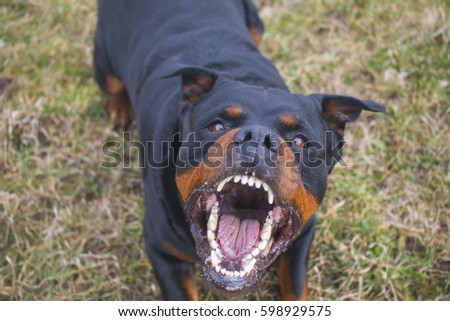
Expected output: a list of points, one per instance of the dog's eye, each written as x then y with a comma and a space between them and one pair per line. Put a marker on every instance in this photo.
299, 141
217, 126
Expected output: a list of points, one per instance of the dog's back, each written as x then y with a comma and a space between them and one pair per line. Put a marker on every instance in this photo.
145, 38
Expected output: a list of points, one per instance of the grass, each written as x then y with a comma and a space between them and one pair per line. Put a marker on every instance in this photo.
71, 230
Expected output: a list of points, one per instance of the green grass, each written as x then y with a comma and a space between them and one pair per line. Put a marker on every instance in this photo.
70, 229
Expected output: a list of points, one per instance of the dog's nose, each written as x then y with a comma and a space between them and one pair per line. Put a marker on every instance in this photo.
259, 136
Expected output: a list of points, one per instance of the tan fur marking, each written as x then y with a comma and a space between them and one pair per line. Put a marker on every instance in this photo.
188, 284
119, 106
256, 36
292, 191
289, 120
176, 253
285, 279
233, 111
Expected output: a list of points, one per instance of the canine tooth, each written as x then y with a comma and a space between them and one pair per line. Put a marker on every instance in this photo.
270, 198
256, 252
262, 245
266, 231
217, 268
242, 274
244, 180
210, 235
267, 250
223, 271
265, 186
248, 257
216, 204
249, 266
214, 245
237, 178
229, 179
221, 185
258, 183
251, 181
214, 259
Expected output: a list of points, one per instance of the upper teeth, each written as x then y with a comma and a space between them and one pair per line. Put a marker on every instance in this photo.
223, 182
250, 181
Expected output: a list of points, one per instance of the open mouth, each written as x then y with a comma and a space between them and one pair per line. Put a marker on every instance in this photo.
240, 228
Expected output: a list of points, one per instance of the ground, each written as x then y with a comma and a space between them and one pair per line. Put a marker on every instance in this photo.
71, 229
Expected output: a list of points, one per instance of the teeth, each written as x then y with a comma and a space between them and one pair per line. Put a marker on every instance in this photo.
249, 266
214, 245
270, 198
265, 234
219, 254
233, 274
248, 257
262, 245
247, 180
213, 219
214, 259
267, 250
256, 252
269, 218
221, 185
210, 235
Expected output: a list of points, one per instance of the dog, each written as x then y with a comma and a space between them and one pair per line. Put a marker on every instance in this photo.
236, 165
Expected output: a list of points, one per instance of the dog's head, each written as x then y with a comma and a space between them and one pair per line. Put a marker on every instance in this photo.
252, 169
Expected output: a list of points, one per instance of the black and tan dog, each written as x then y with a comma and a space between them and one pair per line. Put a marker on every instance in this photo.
236, 165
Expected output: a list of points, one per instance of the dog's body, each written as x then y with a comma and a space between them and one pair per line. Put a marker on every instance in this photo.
229, 94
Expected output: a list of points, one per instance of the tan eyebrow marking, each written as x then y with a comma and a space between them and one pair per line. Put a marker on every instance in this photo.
289, 120
233, 111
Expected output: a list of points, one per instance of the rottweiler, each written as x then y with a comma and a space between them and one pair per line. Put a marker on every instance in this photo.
235, 164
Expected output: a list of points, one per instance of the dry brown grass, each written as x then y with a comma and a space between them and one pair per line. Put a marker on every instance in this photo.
70, 229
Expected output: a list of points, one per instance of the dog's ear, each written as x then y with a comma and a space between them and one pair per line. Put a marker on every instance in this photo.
339, 110
196, 81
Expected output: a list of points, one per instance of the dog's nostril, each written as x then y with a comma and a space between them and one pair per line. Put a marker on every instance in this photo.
248, 137
268, 142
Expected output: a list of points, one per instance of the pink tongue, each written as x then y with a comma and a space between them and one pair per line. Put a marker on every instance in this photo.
237, 237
